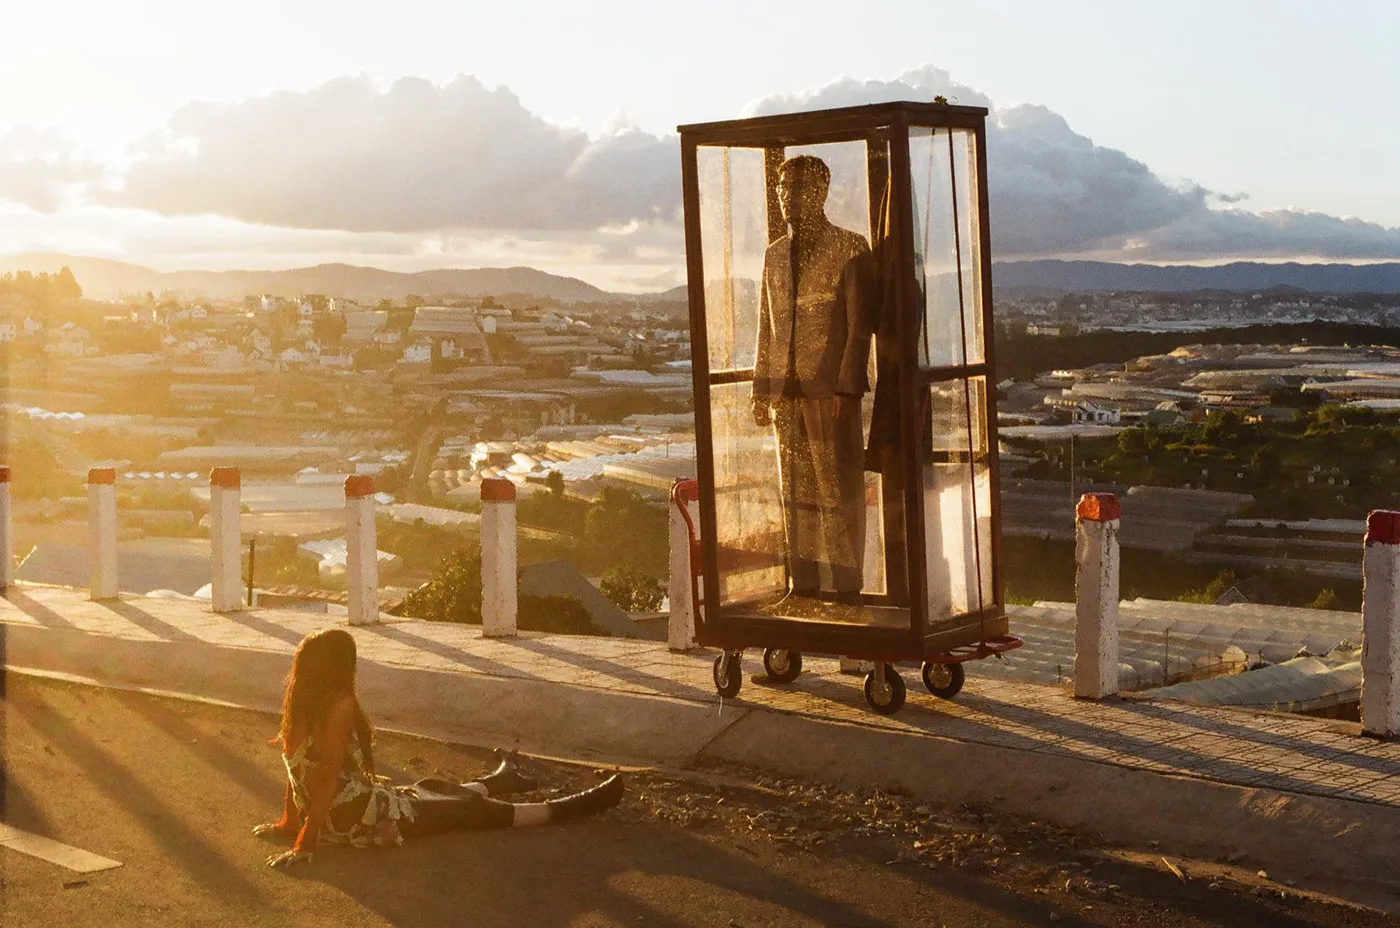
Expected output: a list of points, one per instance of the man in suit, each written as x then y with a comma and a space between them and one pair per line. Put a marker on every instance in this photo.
809, 377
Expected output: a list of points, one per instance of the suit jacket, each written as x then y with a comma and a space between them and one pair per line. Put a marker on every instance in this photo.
823, 328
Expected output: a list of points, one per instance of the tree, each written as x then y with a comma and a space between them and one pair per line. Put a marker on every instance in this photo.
555, 483
628, 529
329, 328
454, 592
1226, 428
1133, 442
1327, 598
1265, 465
631, 589
65, 286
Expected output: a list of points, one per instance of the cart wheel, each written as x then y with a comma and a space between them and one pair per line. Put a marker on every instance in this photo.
944, 680
782, 666
887, 699
729, 675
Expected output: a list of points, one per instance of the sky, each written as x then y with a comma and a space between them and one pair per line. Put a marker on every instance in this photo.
417, 134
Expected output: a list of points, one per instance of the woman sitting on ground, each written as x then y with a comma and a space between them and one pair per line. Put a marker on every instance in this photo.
334, 795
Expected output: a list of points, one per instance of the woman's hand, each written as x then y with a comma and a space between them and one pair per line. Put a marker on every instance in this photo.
288, 858
274, 830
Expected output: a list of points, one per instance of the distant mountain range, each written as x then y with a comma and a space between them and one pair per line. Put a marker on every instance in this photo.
104, 279
1056, 277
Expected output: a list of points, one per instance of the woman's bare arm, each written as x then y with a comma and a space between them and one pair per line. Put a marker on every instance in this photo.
322, 780
289, 824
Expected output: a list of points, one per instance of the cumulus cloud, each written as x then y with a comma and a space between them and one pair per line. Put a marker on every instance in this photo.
1054, 192
1289, 233
471, 167
416, 156
41, 168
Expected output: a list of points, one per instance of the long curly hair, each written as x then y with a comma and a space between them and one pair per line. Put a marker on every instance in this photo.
323, 671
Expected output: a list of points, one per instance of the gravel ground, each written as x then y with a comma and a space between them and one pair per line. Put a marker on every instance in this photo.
173, 788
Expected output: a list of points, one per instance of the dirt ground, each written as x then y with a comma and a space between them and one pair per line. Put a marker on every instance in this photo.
172, 789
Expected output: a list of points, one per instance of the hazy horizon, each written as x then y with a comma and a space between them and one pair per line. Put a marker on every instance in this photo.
471, 136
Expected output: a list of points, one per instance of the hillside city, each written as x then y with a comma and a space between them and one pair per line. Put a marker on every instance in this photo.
1247, 438
587, 407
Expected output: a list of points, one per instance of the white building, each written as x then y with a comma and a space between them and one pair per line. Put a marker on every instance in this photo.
1093, 413
420, 352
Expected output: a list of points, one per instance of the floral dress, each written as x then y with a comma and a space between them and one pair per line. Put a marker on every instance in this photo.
387, 804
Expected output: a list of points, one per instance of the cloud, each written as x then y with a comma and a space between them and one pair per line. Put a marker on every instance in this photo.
41, 168
414, 157
1054, 192
1290, 233
460, 171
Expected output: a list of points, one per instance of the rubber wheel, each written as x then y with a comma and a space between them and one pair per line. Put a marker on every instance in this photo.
782, 666
727, 685
944, 680
892, 699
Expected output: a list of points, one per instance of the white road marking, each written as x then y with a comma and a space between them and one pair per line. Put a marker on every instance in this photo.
72, 858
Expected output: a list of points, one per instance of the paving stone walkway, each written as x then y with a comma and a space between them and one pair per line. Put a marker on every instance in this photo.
1267, 750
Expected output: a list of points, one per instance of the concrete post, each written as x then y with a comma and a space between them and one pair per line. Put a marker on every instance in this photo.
102, 524
499, 597
7, 533
1096, 596
361, 551
225, 539
1380, 625
680, 628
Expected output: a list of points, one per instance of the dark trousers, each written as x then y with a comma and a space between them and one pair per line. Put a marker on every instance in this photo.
822, 461
435, 813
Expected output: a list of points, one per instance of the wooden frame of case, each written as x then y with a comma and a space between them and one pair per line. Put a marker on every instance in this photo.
881, 123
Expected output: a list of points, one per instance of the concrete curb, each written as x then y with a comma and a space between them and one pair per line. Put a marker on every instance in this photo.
1344, 846
531, 715
1338, 846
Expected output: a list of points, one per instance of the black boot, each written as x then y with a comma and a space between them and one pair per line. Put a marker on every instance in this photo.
589, 802
507, 778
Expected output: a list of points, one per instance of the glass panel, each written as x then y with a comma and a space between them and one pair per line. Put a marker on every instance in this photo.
848, 199
748, 504
734, 236
947, 248
956, 483
796, 512
958, 413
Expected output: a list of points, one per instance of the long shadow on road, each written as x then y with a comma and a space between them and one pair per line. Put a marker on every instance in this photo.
542, 877
191, 850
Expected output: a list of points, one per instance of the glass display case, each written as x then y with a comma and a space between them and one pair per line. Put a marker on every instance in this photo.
839, 275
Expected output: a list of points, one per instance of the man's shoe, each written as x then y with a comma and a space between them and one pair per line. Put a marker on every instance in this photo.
589, 802
507, 778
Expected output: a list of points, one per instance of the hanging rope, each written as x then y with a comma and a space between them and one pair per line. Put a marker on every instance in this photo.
967, 385
728, 265
923, 252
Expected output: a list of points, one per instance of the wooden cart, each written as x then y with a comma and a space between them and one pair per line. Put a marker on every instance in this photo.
795, 552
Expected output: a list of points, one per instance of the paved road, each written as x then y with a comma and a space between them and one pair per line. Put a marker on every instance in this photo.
172, 788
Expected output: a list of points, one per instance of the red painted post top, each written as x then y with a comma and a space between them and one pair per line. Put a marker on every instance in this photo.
1383, 527
226, 478
1098, 507
102, 475
4, 474
685, 491
358, 486
497, 490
